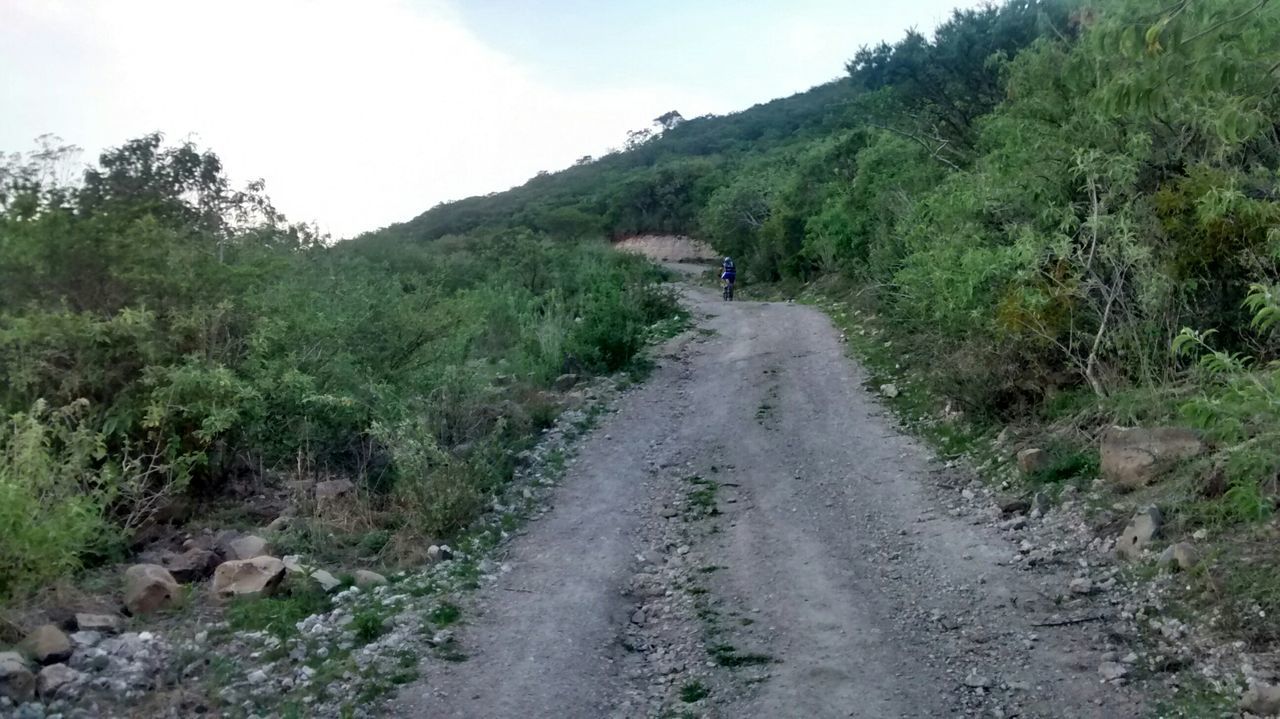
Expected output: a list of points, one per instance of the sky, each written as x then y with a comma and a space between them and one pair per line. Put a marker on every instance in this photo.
360, 114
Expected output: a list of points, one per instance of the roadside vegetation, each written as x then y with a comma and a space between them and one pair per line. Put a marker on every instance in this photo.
168, 340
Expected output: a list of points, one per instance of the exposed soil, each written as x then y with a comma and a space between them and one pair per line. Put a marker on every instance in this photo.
750, 534
668, 248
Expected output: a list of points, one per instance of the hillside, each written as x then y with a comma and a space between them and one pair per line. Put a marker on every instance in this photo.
656, 186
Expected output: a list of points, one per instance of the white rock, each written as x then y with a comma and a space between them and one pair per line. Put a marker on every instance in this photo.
1081, 585
1112, 671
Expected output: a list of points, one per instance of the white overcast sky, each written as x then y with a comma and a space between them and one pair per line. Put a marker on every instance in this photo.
362, 113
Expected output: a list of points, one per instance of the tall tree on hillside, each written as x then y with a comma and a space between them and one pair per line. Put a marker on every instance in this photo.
933, 91
668, 120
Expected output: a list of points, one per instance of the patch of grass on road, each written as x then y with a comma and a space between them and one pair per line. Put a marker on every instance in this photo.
693, 691
702, 498
726, 655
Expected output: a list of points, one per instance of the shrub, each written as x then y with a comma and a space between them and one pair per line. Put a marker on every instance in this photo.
53, 497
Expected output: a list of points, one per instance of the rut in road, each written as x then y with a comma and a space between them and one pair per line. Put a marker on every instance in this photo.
831, 561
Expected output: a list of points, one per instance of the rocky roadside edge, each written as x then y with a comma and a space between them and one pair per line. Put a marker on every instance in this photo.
1128, 577
337, 663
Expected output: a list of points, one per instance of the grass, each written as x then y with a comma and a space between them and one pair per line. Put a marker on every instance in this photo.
767, 406
701, 500
444, 614
1193, 697
369, 623
726, 655
278, 614
693, 691
1067, 463
1242, 583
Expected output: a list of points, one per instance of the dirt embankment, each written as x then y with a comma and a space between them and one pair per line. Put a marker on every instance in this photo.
668, 248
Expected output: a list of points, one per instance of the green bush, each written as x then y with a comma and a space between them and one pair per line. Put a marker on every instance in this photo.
53, 496
199, 345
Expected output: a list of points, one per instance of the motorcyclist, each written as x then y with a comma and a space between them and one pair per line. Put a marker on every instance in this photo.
727, 275
727, 271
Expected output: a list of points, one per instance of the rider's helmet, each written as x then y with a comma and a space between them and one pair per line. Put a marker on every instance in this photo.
728, 261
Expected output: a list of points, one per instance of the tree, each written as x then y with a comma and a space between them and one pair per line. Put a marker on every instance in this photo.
636, 138
668, 120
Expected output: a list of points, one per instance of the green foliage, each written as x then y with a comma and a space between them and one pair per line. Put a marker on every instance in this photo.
726, 655
1067, 463
1239, 409
279, 614
693, 691
444, 614
53, 496
200, 337
369, 623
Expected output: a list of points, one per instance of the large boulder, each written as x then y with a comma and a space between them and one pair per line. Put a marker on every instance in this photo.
1033, 460
1138, 535
148, 588
16, 680
47, 645
247, 547
1134, 456
248, 577
54, 678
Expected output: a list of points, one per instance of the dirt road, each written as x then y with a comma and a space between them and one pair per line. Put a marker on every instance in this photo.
750, 535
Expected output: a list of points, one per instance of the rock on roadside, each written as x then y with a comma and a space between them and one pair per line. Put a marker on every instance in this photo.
1033, 460
293, 565
192, 565
47, 645
366, 578
1181, 555
1261, 699
148, 588
104, 623
55, 677
1142, 529
247, 547
16, 680
1133, 457
248, 577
